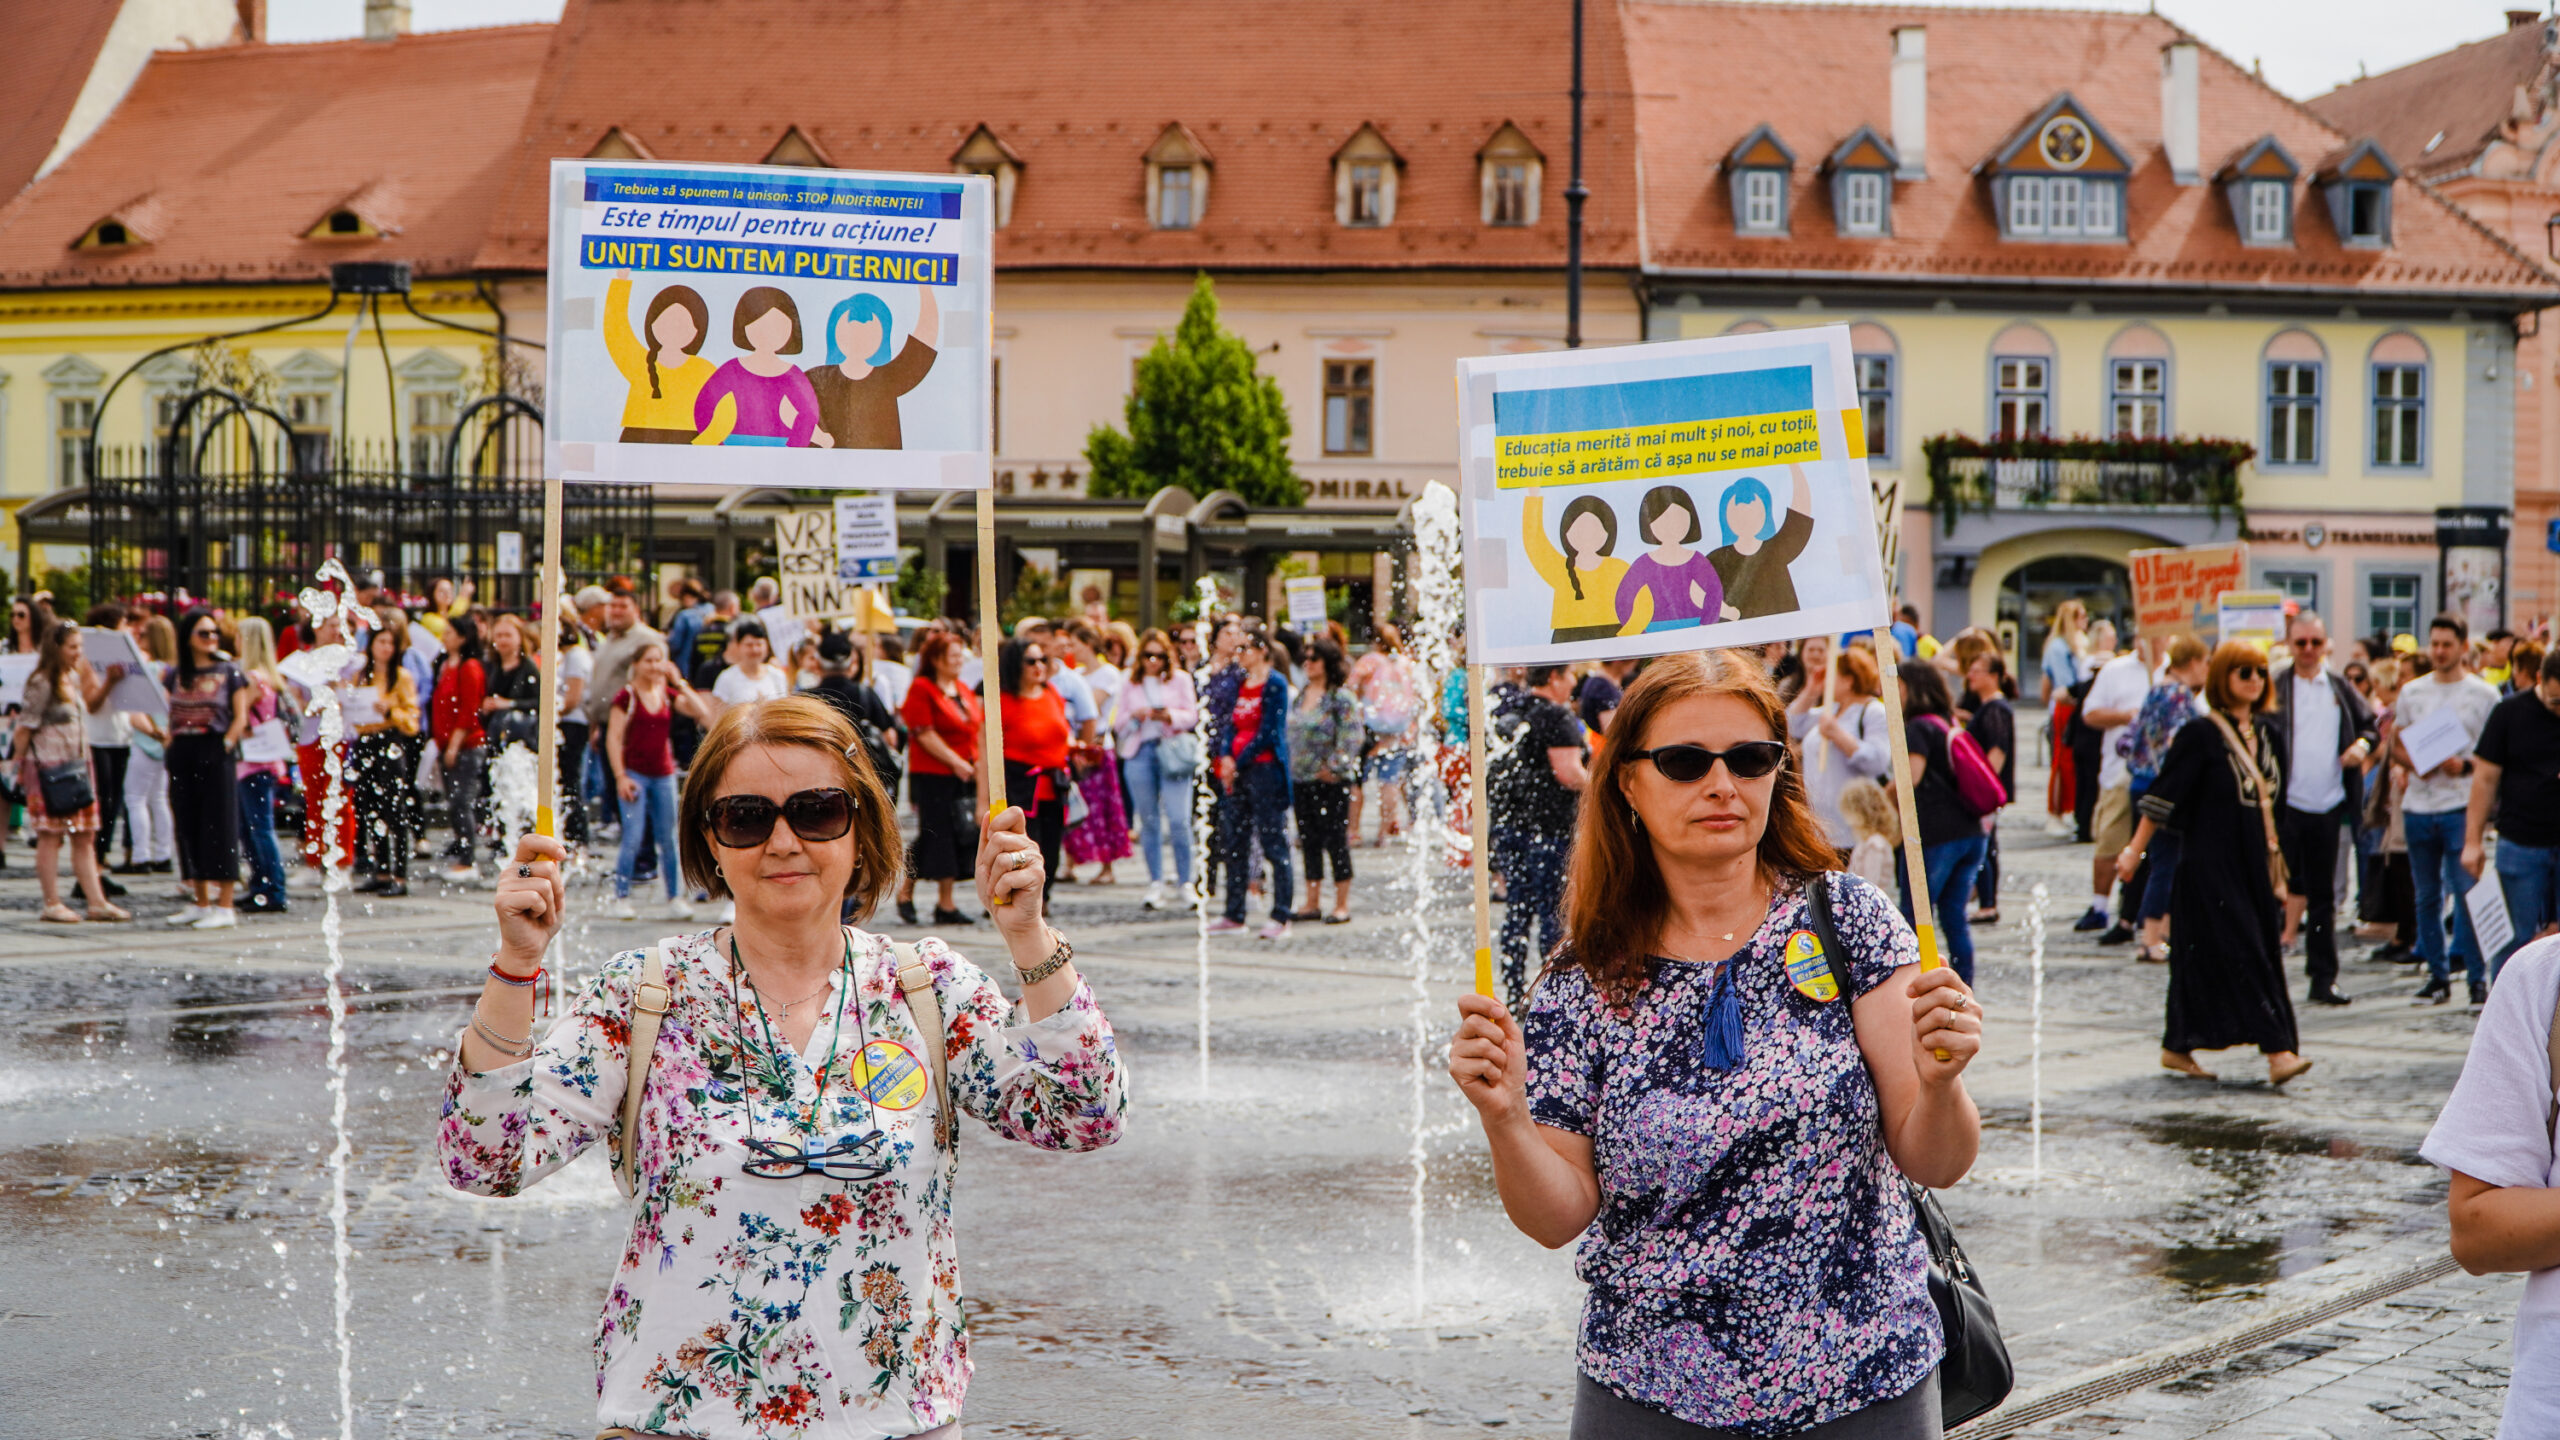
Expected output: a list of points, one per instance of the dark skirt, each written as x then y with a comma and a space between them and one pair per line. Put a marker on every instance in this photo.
946, 843
204, 808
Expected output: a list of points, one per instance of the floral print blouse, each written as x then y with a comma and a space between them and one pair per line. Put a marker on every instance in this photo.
1754, 1264
747, 1307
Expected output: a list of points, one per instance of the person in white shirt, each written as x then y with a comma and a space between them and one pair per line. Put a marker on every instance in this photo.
890, 674
2433, 809
2324, 730
751, 675
2494, 1138
2115, 698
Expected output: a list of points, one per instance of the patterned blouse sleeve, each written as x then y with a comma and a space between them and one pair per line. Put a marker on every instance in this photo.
1055, 1082
1564, 1062
1872, 930
505, 1129
2196, 746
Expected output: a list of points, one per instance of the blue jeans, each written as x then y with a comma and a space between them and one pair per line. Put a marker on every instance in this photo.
258, 837
2530, 874
655, 809
1258, 810
2166, 845
2435, 867
1951, 868
1532, 861
1163, 803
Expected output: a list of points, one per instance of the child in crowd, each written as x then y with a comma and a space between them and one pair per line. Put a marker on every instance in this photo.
1869, 811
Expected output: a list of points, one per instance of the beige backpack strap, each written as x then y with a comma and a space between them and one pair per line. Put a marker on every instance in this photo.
2550, 1109
648, 1006
915, 977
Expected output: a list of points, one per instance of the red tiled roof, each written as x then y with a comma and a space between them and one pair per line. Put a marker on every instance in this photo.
1706, 72
2463, 96
1080, 91
235, 153
51, 45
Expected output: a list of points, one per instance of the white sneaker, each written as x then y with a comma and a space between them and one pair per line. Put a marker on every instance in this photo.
728, 911
1155, 896
190, 915
679, 908
623, 909
220, 917
1275, 930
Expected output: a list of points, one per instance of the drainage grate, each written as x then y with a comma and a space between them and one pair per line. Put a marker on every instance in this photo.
2142, 1371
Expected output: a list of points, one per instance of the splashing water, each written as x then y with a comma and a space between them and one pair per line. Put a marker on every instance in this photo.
1438, 607
318, 669
1204, 795
515, 792
2036, 899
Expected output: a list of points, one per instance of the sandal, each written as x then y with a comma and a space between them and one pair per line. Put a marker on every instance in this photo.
2178, 1064
2277, 1077
2153, 955
1306, 914
59, 914
109, 913
1338, 917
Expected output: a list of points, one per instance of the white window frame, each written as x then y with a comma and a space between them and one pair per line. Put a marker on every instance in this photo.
73, 412
1875, 401
2062, 205
1368, 181
1764, 202
1166, 192
1863, 190
2026, 204
2268, 204
2289, 407
2010, 388
2302, 586
2376, 603
1348, 395
2132, 408
1509, 188
2399, 417
2099, 219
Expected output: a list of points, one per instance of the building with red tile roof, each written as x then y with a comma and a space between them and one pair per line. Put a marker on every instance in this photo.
70, 61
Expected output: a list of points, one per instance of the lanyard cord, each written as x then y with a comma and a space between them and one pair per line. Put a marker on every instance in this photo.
774, 1049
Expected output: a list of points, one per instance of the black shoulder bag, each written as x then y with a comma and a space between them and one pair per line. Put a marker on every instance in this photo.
1976, 1375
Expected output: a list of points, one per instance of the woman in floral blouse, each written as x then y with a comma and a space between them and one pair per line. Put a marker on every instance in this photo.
793, 1267
1728, 1133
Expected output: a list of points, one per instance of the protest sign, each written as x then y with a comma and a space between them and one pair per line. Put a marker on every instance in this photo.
866, 537
806, 543
2177, 592
2491, 923
1306, 603
14, 670
2250, 615
139, 691
747, 325
1655, 498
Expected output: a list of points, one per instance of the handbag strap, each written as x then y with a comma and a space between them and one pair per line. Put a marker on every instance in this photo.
649, 1001
915, 978
2551, 1090
2258, 782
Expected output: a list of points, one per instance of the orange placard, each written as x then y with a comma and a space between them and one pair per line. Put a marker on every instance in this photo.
2175, 592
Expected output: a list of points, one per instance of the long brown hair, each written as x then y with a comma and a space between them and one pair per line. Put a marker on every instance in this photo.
53, 663
1615, 901
659, 304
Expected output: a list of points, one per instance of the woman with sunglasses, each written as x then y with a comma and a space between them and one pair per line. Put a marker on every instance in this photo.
792, 1266
208, 715
1671, 1049
2217, 788
1159, 707
1035, 743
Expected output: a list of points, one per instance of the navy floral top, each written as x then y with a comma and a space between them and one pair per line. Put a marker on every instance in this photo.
1754, 1264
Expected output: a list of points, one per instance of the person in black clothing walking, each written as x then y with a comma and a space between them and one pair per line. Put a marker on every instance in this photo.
1994, 727
841, 685
2323, 730
1534, 782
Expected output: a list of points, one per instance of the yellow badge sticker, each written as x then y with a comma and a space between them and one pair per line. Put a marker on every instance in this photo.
889, 1074
1808, 969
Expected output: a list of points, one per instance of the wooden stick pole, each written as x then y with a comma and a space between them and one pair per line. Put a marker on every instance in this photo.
1480, 826
990, 637
546, 818
1889, 656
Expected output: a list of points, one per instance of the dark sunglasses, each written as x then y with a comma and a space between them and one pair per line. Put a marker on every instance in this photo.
2248, 672
848, 1159
2307, 642
742, 822
1681, 764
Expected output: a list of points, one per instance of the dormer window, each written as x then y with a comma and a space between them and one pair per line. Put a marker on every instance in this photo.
2258, 182
1509, 170
2060, 177
1364, 180
797, 150
107, 233
2357, 184
619, 144
1177, 179
983, 154
1760, 168
137, 223
1861, 172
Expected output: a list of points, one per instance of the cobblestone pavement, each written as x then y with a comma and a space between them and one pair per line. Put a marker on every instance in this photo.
1298, 1236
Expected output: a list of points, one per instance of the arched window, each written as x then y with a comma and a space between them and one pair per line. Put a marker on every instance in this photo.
2022, 381
1876, 359
2296, 382
2138, 384
2399, 369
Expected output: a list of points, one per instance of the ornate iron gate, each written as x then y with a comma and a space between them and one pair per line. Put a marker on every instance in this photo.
236, 506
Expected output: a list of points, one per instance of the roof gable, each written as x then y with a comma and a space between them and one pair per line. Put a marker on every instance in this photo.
2264, 159
1863, 150
2439, 115
2358, 160
1761, 150
2062, 138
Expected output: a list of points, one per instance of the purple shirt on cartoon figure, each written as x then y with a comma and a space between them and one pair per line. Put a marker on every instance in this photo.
759, 401
1672, 605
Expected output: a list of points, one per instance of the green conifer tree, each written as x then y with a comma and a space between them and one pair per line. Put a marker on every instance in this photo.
1200, 416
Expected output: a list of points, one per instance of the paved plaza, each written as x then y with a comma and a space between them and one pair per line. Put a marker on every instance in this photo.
1298, 1235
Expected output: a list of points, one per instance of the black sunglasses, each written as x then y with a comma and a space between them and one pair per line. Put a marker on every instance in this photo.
2248, 672
1681, 764
851, 1158
742, 822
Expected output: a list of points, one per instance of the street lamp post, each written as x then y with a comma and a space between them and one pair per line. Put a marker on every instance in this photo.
1574, 195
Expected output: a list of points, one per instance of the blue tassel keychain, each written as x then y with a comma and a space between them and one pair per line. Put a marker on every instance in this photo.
1720, 1046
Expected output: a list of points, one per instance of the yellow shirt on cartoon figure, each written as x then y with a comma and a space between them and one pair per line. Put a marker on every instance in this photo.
1593, 615
667, 416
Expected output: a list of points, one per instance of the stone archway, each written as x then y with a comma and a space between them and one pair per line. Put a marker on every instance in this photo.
2021, 581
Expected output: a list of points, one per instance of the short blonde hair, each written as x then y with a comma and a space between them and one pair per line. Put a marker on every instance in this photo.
793, 720
1870, 812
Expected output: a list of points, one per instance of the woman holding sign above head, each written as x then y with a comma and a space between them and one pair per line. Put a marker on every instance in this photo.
859, 386
666, 370
1680, 584
1582, 573
767, 398
1724, 1075
1758, 546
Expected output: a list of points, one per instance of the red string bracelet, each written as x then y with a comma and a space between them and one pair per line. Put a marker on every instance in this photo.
524, 982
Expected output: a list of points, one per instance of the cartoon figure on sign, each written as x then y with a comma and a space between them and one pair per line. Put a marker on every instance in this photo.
859, 386
666, 370
1679, 584
767, 398
1758, 546
1581, 573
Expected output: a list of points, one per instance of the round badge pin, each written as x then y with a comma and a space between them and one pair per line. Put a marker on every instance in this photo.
1808, 969
889, 1074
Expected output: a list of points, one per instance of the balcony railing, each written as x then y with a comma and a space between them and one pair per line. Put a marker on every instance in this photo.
2040, 472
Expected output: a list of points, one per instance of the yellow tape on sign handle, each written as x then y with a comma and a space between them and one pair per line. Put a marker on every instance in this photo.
1929, 960
1484, 971
545, 823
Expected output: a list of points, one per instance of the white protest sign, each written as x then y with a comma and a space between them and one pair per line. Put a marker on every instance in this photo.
750, 325
2491, 925
14, 670
2435, 739
866, 537
806, 541
1306, 602
2250, 615
782, 630
1646, 499
139, 692
510, 552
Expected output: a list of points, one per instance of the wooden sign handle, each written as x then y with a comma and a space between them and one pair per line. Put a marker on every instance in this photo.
990, 638
1480, 829
546, 774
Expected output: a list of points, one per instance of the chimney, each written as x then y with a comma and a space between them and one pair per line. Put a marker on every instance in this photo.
253, 21
386, 19
2180, 138
1911, 100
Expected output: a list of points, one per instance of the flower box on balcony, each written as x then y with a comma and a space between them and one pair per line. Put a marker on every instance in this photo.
2034, 472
